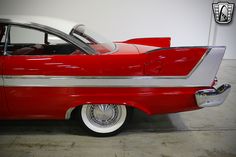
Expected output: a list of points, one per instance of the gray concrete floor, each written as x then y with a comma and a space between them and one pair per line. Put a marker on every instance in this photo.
210, 132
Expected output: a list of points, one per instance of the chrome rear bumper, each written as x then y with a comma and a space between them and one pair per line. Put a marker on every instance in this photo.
212, 97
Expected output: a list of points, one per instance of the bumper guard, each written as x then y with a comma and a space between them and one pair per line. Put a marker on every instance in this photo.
212, 97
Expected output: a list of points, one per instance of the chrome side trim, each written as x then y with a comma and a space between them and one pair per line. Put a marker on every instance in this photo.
93, 82
212, 97
68, 113
90, 77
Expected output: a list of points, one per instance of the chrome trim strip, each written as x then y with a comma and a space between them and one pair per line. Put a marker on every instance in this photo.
90, 77
92, 82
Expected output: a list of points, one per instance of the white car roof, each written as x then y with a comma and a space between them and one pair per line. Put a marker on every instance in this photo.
59, 24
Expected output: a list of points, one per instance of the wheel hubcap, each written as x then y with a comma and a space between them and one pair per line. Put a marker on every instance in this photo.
103, 115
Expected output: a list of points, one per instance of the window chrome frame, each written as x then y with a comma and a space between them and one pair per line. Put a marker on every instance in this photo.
6, 40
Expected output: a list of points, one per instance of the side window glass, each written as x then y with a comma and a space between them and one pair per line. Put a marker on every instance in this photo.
20, 35
53, 40
28, 41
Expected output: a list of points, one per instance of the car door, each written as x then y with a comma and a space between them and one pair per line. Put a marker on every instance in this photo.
42, 78
30, 65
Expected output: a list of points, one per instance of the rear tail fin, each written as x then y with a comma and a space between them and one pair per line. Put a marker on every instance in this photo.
158, 42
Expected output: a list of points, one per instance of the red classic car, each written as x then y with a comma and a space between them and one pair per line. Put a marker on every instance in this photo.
55, 69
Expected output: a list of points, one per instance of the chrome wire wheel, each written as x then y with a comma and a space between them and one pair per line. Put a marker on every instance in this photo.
103, 118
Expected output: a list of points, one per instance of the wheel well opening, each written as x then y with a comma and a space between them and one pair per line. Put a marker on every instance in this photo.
74, 115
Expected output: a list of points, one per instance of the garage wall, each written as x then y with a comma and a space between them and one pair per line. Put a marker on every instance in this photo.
188, 22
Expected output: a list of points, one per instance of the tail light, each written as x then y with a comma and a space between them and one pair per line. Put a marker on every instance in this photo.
215, 81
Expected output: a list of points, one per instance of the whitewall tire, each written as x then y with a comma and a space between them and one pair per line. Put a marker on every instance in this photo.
104, 119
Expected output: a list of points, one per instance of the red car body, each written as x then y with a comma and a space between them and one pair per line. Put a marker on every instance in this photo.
144, 73
53, 102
